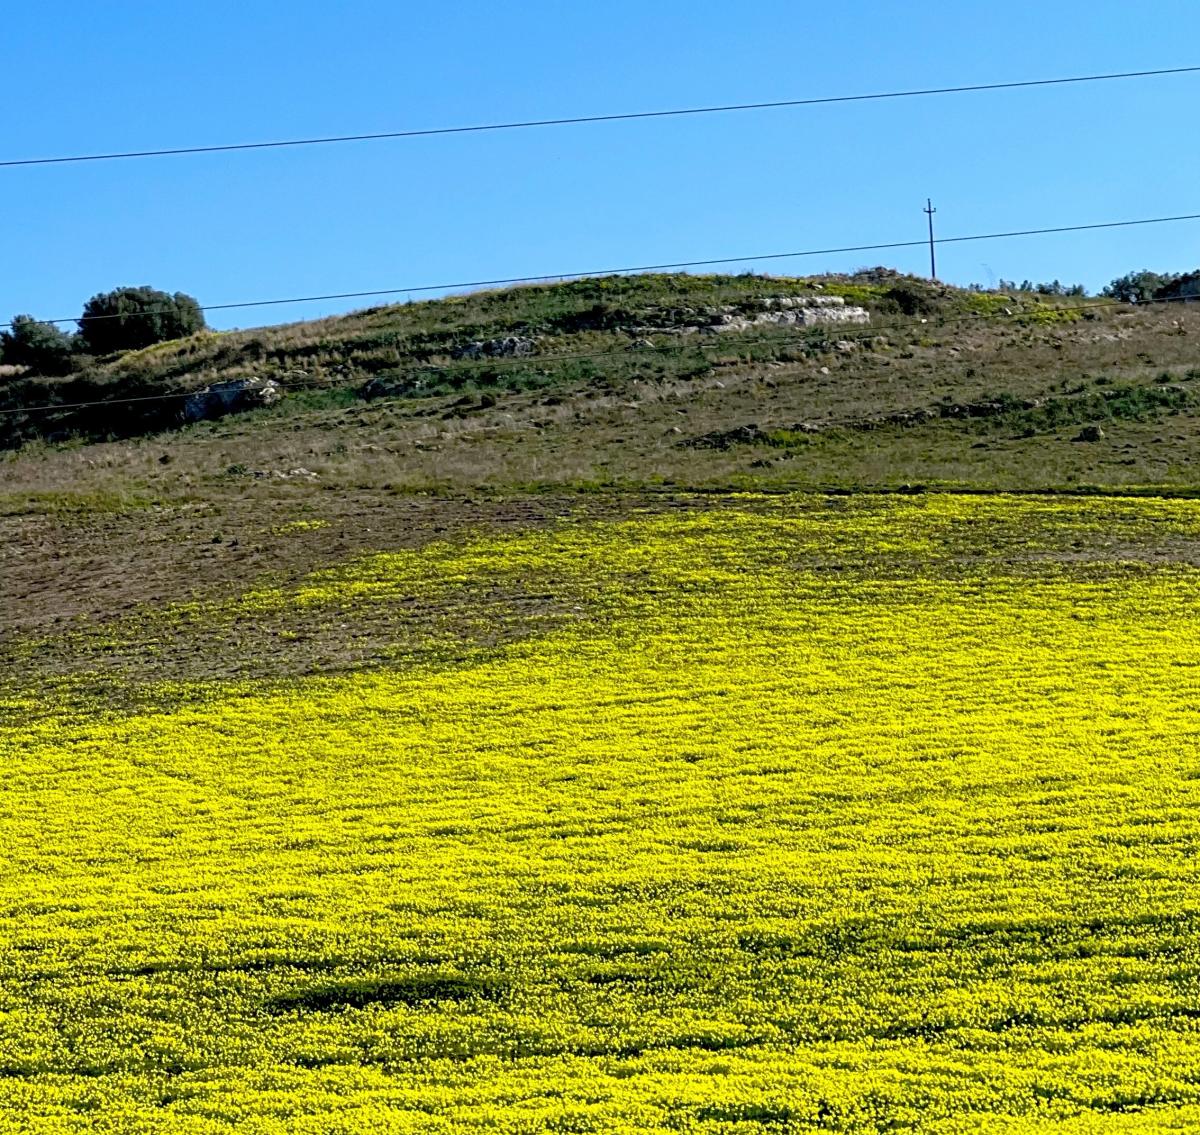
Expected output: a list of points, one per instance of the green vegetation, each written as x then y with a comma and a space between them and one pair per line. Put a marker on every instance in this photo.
601, 333
1138, 287
123, 320
1054, 288
126, 319
41, 347
613, 382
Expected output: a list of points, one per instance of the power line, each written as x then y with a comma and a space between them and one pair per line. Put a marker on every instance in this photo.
782, 339
679, 264
581, 119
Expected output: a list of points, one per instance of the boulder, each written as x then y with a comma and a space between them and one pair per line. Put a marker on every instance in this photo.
508, 347
806, 311
391, 386
231, 397
726, 439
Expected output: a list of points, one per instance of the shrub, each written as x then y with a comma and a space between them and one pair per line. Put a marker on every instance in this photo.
42, 347
1053, 288
127, 319
1138, 287
1058, 288
912, 298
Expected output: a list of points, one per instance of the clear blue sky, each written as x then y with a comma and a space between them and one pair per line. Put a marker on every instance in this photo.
85, 77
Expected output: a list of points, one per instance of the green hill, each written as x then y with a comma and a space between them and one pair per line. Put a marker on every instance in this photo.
686, 381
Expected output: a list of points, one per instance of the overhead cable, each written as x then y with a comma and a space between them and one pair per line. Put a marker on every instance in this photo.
578, 120
675, 265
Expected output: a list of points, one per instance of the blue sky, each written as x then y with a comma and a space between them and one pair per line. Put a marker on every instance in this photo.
229, 227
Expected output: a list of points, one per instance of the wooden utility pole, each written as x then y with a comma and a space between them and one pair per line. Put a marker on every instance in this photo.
933, 260
932, 257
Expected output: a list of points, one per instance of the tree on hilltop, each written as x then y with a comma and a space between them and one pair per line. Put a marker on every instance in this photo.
1138, 287
40, 346
127, 319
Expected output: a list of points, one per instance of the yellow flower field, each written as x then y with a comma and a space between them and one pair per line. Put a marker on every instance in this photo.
854, 816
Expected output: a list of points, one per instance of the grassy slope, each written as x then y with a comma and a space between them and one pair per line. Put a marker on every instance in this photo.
595, 408
87, 529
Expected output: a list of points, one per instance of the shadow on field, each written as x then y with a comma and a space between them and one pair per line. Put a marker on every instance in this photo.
358, 993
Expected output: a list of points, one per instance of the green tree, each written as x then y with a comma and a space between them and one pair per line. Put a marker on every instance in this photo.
127, 319
40, 346
1137, 287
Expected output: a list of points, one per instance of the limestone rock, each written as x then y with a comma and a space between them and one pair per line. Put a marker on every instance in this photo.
726, 439
508, 347
231, 397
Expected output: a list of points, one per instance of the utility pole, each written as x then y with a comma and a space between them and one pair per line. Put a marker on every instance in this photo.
932, 257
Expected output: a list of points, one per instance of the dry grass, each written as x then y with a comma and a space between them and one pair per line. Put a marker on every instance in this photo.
630, 433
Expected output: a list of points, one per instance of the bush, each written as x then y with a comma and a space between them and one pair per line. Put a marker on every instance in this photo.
40, 346
1058, 288
1138, 287
128, 319
912, 298
1053, 288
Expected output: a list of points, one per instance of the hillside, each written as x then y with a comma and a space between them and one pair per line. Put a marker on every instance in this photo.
626, 705
636, 381
639, 392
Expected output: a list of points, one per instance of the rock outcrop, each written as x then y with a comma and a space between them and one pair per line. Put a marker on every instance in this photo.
794, 311
777, 311
727, 439
508, 347
231, 397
